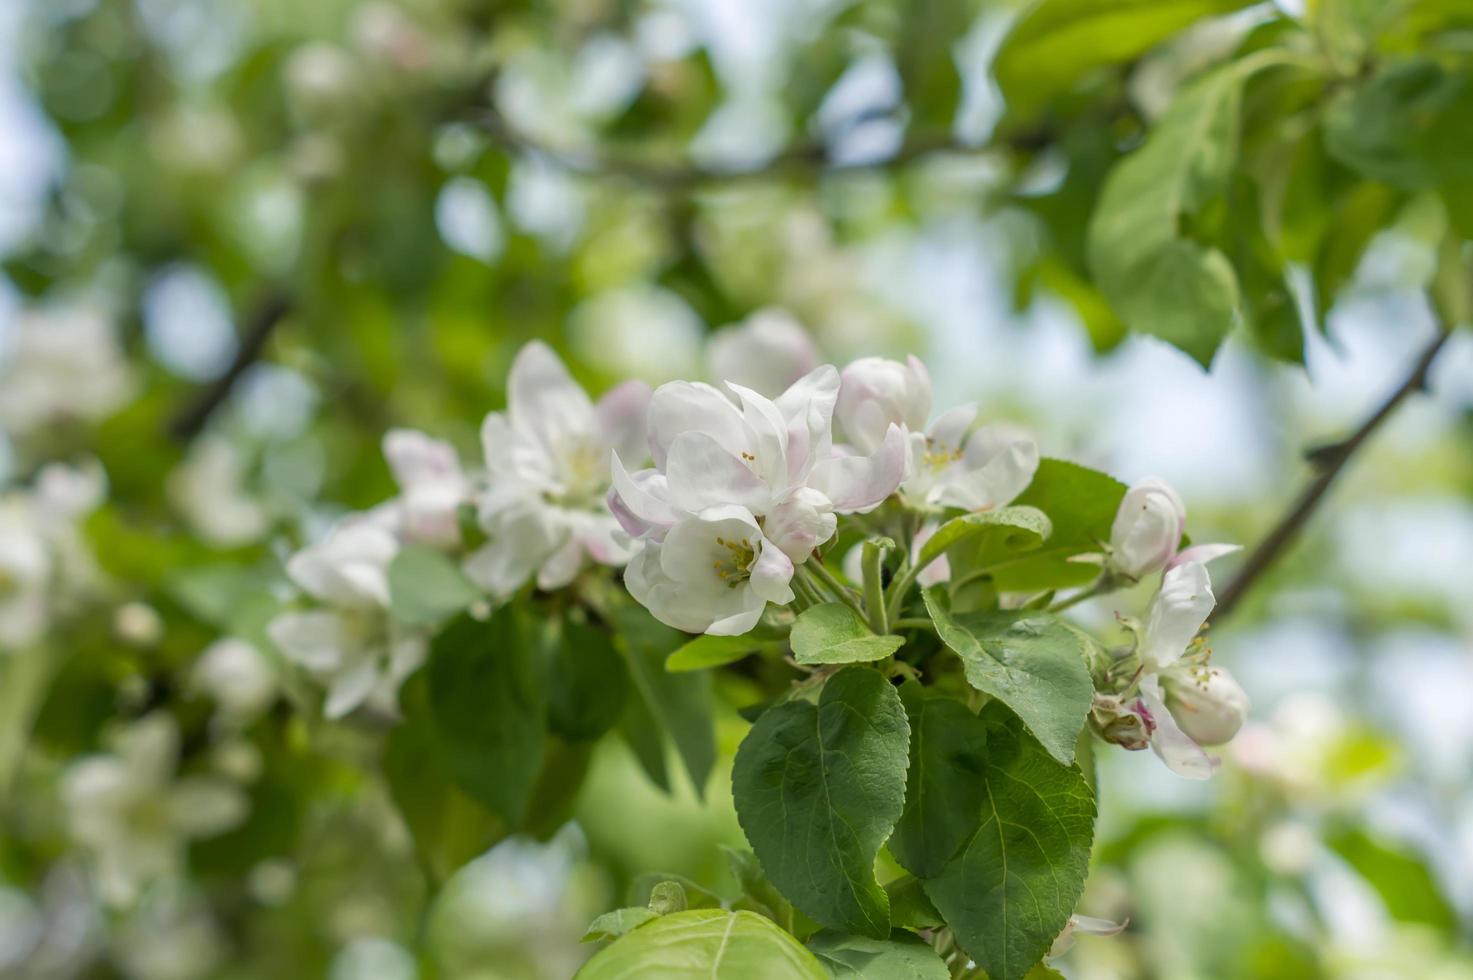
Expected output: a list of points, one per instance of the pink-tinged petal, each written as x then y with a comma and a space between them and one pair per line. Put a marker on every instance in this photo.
1147, 528
1172, 745
623, 414
683, 406
801, 523
772, 574
875, 393
807, 409
701, 473
1201, 554
603, 540
858, 484
543, 398
415, 459
1177, 615
643, 498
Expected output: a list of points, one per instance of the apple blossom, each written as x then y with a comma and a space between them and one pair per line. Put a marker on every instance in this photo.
61, 362
43, 560
131, 814
744, 490
950, 463
431, 487
1147, 532
767, 352
547, 460
208, 488
1179, 703
352, 645
238, 677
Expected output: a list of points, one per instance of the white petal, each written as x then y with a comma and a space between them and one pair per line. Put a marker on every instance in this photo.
561, 567
542, 398
316, 640
876, 393
622, 420
767, 437
351, 687
1177, 614
203, 806
801, 523
416, 459
998, 464
1181, 755
857, 484
740, 622
638, 500
349, 567
808, 411
683, 406
1203, 553
949, 431
701, 473
772, 575
1147, 528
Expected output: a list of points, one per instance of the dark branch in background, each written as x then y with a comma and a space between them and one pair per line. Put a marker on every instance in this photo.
1329, 461
258, 329
800, 159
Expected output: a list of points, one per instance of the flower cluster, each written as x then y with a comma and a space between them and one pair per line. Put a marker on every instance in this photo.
44, 564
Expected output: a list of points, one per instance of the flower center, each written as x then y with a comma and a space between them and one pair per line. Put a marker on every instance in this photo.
584, 469
938, 457
735, 567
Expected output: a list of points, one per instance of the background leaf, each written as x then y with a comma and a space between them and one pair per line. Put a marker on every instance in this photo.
705, 944
681, 703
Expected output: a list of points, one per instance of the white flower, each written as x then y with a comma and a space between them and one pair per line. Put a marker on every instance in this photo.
1176, 617
1087, 925
237, 676
352, 646
431, 487
43, 560
767, 352
61, 363
740, 495
133, 816
1148, 529
208, 488
951, 464
547, 458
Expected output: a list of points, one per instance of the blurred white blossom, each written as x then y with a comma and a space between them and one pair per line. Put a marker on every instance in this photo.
61, 363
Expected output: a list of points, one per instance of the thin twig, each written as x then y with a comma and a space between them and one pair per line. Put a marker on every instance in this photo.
803, 158
1329, 461
263, 321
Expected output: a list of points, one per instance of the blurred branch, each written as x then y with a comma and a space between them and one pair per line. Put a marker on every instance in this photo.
1329, 461
799, 159
263, 321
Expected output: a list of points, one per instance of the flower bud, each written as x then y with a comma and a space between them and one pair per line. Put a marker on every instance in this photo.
1119, 723
767, 352
1147, 529
875, 393
1207, 703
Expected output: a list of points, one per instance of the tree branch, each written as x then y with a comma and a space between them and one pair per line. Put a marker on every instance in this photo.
263, 321
1329, 461
807, 157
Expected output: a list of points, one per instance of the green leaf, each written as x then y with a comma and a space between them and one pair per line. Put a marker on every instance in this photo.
717, 651
705, 944
989, 535
1159, 281
1059, 42
1081, 505
587, 683
426, 587
1013, 886
447, 826
1030, 660
1403, 880
486, 698
910, 906
644, 888
818, 788
943, 794
760, 895
1406, 125
612, 925
833, 633
681, 703
901, 957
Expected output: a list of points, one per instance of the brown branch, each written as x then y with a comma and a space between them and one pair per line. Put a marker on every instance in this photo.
800, 159
1329, 461
263, 321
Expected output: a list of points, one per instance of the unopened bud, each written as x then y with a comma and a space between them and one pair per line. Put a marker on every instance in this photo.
1148, 528
1120, 723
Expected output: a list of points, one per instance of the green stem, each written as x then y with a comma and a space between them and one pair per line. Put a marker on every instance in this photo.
874, 587
913, 623
1105, 583
900, 588
820, 575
